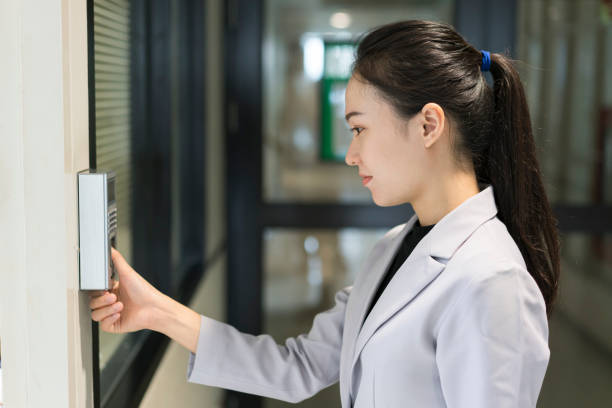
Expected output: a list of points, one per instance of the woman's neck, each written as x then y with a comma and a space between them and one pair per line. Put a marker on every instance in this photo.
440, 198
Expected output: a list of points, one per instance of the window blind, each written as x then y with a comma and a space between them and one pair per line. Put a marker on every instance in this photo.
112, 104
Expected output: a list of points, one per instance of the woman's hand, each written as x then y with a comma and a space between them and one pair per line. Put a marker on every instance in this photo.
134, 304
130, 305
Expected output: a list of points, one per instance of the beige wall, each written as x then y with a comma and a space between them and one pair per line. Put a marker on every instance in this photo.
44, 319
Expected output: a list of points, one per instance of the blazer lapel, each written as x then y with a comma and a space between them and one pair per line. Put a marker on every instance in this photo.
361, 297
410, 279
376, 273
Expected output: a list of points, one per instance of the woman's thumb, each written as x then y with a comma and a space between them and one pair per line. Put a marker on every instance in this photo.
121, 265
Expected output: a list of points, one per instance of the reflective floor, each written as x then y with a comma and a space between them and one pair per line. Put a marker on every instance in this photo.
579, 373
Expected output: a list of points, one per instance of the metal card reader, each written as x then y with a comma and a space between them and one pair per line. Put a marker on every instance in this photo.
97, 228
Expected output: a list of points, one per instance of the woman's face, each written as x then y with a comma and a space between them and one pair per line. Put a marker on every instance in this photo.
388, 150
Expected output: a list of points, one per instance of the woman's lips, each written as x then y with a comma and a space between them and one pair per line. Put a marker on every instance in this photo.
366, 180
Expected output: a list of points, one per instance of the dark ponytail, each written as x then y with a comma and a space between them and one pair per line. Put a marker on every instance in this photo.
512, 168
415, 62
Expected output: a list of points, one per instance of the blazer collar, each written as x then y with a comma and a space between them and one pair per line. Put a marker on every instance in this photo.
425, 263
458, 225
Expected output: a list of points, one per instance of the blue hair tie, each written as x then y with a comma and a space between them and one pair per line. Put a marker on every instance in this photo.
486, 60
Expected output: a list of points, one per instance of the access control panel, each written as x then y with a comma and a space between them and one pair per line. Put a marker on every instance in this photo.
97, 228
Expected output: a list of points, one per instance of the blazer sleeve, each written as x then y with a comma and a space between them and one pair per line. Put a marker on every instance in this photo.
492, 346
292, 372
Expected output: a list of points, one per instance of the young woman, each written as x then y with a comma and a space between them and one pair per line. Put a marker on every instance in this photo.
450, 309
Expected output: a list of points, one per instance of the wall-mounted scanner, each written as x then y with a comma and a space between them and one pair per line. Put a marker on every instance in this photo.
97, 228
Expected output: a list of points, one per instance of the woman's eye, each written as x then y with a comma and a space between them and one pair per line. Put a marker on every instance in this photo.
356, 130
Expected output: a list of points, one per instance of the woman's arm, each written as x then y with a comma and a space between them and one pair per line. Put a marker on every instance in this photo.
292, 372
178, 322
221, 355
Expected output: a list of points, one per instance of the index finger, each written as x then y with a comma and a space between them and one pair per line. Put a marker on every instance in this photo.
116, 256
118, 260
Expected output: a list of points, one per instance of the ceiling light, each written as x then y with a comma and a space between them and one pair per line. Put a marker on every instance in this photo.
340, 20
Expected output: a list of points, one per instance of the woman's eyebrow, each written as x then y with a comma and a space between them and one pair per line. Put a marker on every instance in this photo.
351, 114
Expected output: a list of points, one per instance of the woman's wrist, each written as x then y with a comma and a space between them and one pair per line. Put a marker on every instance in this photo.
176, 321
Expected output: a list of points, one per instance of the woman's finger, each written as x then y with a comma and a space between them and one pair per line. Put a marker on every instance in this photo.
107, 323
100, 314
118, 259
104, 300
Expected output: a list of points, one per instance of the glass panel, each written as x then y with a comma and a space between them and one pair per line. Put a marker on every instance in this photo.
567, 49
308, 50
580, 369
113, 132
303, 269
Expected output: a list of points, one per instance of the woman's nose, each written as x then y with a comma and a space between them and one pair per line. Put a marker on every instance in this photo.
352, 157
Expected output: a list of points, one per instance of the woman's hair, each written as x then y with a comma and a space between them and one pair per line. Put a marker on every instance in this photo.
415, 62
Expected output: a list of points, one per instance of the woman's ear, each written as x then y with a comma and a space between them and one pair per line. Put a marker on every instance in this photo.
433, 123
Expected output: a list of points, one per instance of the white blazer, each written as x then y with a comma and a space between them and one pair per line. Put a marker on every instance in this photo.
461, 324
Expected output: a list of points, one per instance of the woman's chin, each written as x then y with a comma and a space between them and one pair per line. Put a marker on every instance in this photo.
382, 202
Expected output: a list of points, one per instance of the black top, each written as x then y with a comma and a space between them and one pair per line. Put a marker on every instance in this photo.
410, 241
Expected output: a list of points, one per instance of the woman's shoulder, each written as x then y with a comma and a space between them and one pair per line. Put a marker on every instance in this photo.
491, 255
489, 278
489, 245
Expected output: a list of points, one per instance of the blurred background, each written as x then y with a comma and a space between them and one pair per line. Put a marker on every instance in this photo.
224, 122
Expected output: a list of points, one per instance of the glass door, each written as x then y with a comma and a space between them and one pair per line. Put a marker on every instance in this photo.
146, 72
